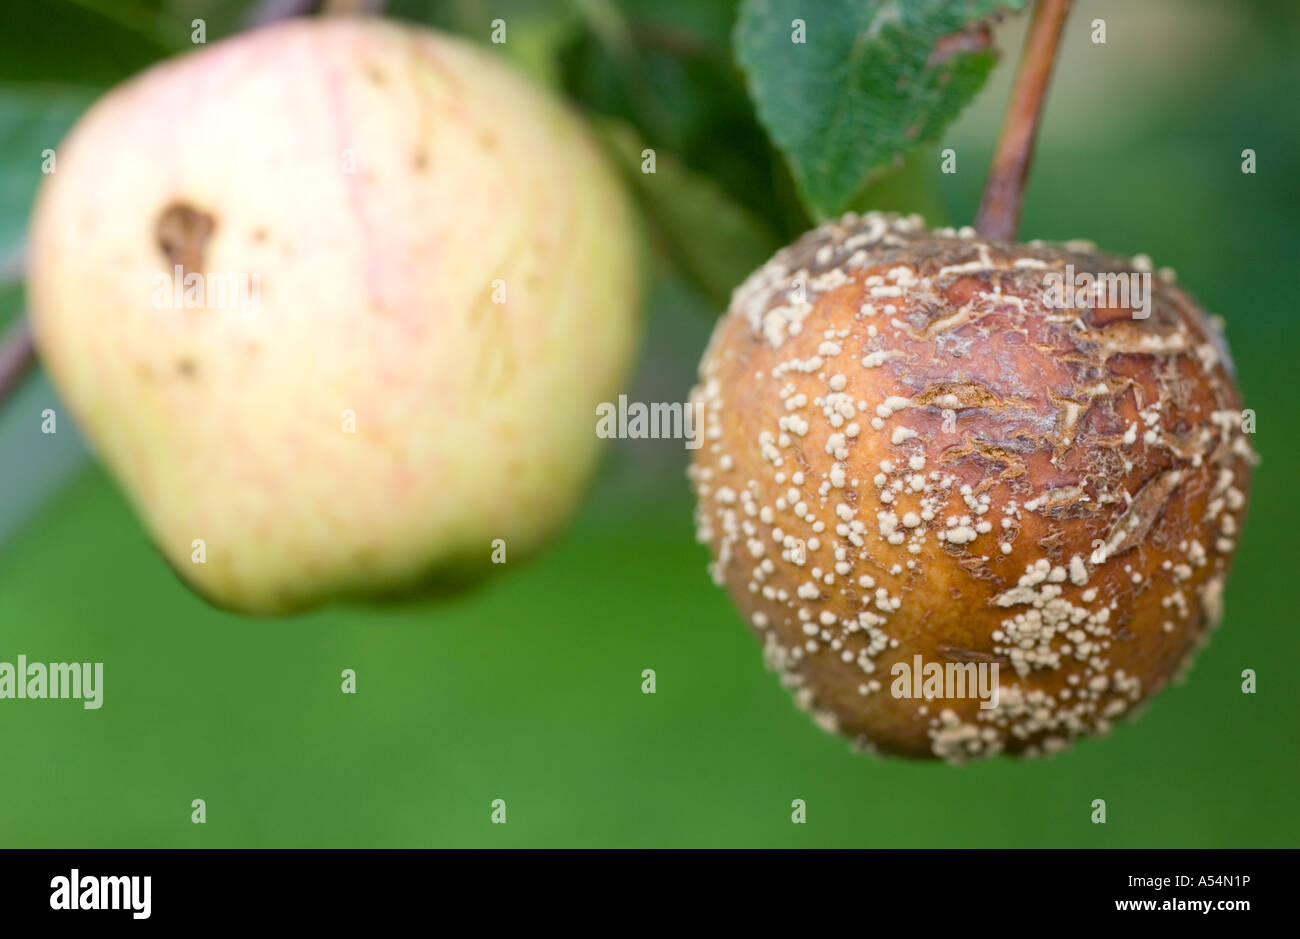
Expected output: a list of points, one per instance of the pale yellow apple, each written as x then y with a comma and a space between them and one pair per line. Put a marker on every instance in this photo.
439, 284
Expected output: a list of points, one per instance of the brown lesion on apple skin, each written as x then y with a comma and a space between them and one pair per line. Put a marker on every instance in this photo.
183, 232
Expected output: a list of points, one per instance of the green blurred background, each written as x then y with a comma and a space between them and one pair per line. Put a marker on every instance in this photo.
528, 689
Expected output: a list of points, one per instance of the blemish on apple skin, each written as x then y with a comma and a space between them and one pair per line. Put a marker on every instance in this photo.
420, 161
375, 74
186, 368
487, 140
259, 235
182, 233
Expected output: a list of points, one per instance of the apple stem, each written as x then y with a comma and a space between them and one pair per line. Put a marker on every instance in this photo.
999, 213
352, 7
266, 12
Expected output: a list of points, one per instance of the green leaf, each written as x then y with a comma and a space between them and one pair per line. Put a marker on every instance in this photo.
712, 239
96, 42
864, 87
535, 32
33, 119
665, 67
913, 188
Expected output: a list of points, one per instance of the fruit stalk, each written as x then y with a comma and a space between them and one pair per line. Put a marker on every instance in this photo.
352, 7
999, 213
266, 12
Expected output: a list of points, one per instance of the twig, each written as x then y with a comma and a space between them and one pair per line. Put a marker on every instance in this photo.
13, 265
16, 354
999, 214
